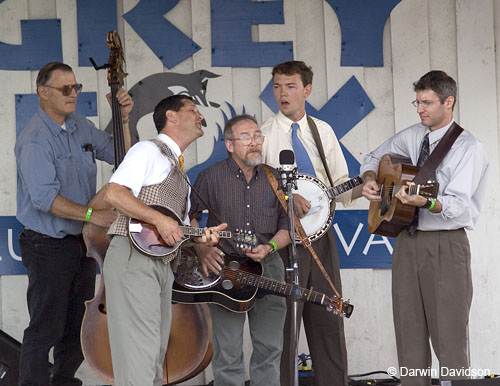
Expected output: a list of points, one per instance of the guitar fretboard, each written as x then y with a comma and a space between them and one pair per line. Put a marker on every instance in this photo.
283, 289
191, 231
344, 187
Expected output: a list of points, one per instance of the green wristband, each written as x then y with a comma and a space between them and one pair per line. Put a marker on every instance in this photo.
273, 244
89, 212
433, 202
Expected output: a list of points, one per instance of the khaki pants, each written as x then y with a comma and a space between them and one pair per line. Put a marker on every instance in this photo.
138, 299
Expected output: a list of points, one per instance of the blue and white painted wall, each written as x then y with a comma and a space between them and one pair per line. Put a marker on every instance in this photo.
365, 55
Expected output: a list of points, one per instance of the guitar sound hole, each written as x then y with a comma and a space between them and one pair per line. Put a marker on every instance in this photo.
384, 204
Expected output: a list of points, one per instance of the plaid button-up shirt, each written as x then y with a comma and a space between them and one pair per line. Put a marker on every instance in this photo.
251, 206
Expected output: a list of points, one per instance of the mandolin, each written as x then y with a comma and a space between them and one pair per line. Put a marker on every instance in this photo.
146, 239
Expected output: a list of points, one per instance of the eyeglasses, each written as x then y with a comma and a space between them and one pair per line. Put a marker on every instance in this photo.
66, 90
424, 104
246, 139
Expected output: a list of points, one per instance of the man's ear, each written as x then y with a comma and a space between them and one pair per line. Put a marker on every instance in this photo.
449, 102
43, 93
229, 145
307, 90
171, 116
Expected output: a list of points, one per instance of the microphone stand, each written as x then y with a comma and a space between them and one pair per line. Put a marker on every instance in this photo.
289, 184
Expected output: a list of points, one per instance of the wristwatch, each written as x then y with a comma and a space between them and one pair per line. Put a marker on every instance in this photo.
427, 204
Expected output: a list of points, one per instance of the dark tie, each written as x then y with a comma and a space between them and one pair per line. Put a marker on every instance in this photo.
422, 157
304, 163
424, 151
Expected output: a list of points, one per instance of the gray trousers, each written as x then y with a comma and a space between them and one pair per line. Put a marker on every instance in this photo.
138, 299
432, 294
266, 320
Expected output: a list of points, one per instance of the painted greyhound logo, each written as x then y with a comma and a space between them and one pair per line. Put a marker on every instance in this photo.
150, 90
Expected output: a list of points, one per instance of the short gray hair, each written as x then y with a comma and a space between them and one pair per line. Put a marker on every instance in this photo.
228, 127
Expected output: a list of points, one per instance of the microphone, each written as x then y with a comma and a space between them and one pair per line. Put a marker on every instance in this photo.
287, 159
287, 170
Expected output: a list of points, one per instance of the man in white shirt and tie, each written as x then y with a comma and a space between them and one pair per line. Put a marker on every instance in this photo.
289, 129
431, 263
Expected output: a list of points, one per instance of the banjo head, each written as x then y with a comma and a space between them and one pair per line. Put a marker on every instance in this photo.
317, 222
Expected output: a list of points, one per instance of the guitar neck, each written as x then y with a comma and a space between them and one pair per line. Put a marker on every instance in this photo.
192, 231
280, 288
344, 187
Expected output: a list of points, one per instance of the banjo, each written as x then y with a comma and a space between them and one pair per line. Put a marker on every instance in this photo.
319, 218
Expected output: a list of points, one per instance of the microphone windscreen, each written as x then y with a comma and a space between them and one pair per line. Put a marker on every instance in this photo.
287, 157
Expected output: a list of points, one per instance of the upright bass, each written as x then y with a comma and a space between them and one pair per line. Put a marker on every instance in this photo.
190, 345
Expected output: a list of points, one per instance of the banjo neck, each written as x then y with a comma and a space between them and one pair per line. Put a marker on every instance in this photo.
343, 187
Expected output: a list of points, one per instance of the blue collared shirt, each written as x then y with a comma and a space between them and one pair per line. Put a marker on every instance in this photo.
52, 161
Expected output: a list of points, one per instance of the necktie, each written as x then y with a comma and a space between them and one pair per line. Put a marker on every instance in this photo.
304, 163
422, 157
424, 151
181, 162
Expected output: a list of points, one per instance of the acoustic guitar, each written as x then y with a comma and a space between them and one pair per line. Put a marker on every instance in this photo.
146, 239
390, 216
238, 285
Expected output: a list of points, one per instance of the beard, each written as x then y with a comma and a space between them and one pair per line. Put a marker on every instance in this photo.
252, 159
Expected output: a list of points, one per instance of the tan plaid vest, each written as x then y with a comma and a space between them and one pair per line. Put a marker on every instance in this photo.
171, 193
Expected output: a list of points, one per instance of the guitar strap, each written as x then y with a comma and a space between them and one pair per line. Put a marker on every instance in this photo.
299, 230
319, 145
437, 155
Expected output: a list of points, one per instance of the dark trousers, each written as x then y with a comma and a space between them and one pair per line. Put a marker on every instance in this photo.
60, 279
324, 330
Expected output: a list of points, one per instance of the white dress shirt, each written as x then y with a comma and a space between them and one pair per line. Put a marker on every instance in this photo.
278, 136
144, 165
461, 175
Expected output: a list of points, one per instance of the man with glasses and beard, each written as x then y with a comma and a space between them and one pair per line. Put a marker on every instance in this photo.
238, 191
56, 168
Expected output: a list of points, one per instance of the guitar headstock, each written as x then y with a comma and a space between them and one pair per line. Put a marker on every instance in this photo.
245, 240
429, 189
340, 307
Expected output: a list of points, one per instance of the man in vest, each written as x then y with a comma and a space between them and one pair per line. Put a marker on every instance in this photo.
138, 287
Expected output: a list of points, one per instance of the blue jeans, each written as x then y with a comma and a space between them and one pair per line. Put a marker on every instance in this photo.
60, 279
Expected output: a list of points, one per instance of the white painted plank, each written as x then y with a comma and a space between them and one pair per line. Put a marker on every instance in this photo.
410, 56
278, 32
42, 9
443, 40
479, 114
378, 83
11, 13
219, 90
310, 46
